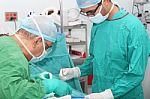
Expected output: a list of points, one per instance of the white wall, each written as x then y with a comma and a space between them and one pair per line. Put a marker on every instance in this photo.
147, 7
146, 82
127, 4
25, 6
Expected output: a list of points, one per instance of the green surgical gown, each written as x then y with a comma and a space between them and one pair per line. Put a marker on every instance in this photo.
15, 82
118, 56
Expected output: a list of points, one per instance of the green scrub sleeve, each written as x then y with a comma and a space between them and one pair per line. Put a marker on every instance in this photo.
15, 80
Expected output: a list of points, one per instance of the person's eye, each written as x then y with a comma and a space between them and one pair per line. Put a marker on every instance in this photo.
90, 12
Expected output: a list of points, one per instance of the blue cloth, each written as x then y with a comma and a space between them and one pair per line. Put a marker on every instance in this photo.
55, 60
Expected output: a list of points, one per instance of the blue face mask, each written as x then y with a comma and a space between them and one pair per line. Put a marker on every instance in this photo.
35, 59
99, 18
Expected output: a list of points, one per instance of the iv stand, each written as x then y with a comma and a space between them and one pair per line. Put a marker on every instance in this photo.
61, 15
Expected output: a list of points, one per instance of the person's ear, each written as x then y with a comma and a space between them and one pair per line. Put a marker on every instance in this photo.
36, 41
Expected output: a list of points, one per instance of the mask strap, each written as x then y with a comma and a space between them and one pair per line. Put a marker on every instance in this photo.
43, 41
111, 8
101, 7
24, 45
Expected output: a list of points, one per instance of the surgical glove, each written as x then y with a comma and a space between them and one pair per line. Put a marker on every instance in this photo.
107, 94
65, 97
69, 73
56, 86
45, 75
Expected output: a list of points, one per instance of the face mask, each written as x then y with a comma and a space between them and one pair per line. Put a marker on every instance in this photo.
47, 52
34, 58
98, 18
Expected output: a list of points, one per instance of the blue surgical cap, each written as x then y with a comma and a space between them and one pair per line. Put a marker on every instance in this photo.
46, 25
87, 3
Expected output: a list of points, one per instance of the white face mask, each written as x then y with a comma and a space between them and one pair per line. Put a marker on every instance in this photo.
34, 58
37, 59
98, 18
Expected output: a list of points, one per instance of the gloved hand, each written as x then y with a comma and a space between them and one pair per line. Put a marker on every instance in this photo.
107, 94
45, 75
65, 97
69, 73
56, 86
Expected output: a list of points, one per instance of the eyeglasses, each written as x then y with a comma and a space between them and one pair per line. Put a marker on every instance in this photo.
91, 12
47, 46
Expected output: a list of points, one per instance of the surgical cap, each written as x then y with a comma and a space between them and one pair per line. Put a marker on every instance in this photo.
87, 3
46, 25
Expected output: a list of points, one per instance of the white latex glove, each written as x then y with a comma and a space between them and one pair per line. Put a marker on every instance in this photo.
107, 94
69, 73
65, 97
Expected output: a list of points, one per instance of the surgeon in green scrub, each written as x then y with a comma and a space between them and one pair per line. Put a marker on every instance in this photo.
33, 39
118, 52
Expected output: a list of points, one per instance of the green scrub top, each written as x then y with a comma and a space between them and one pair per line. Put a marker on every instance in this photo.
118, 56
14, 73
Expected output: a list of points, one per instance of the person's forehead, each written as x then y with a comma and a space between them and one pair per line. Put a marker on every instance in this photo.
88, 9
